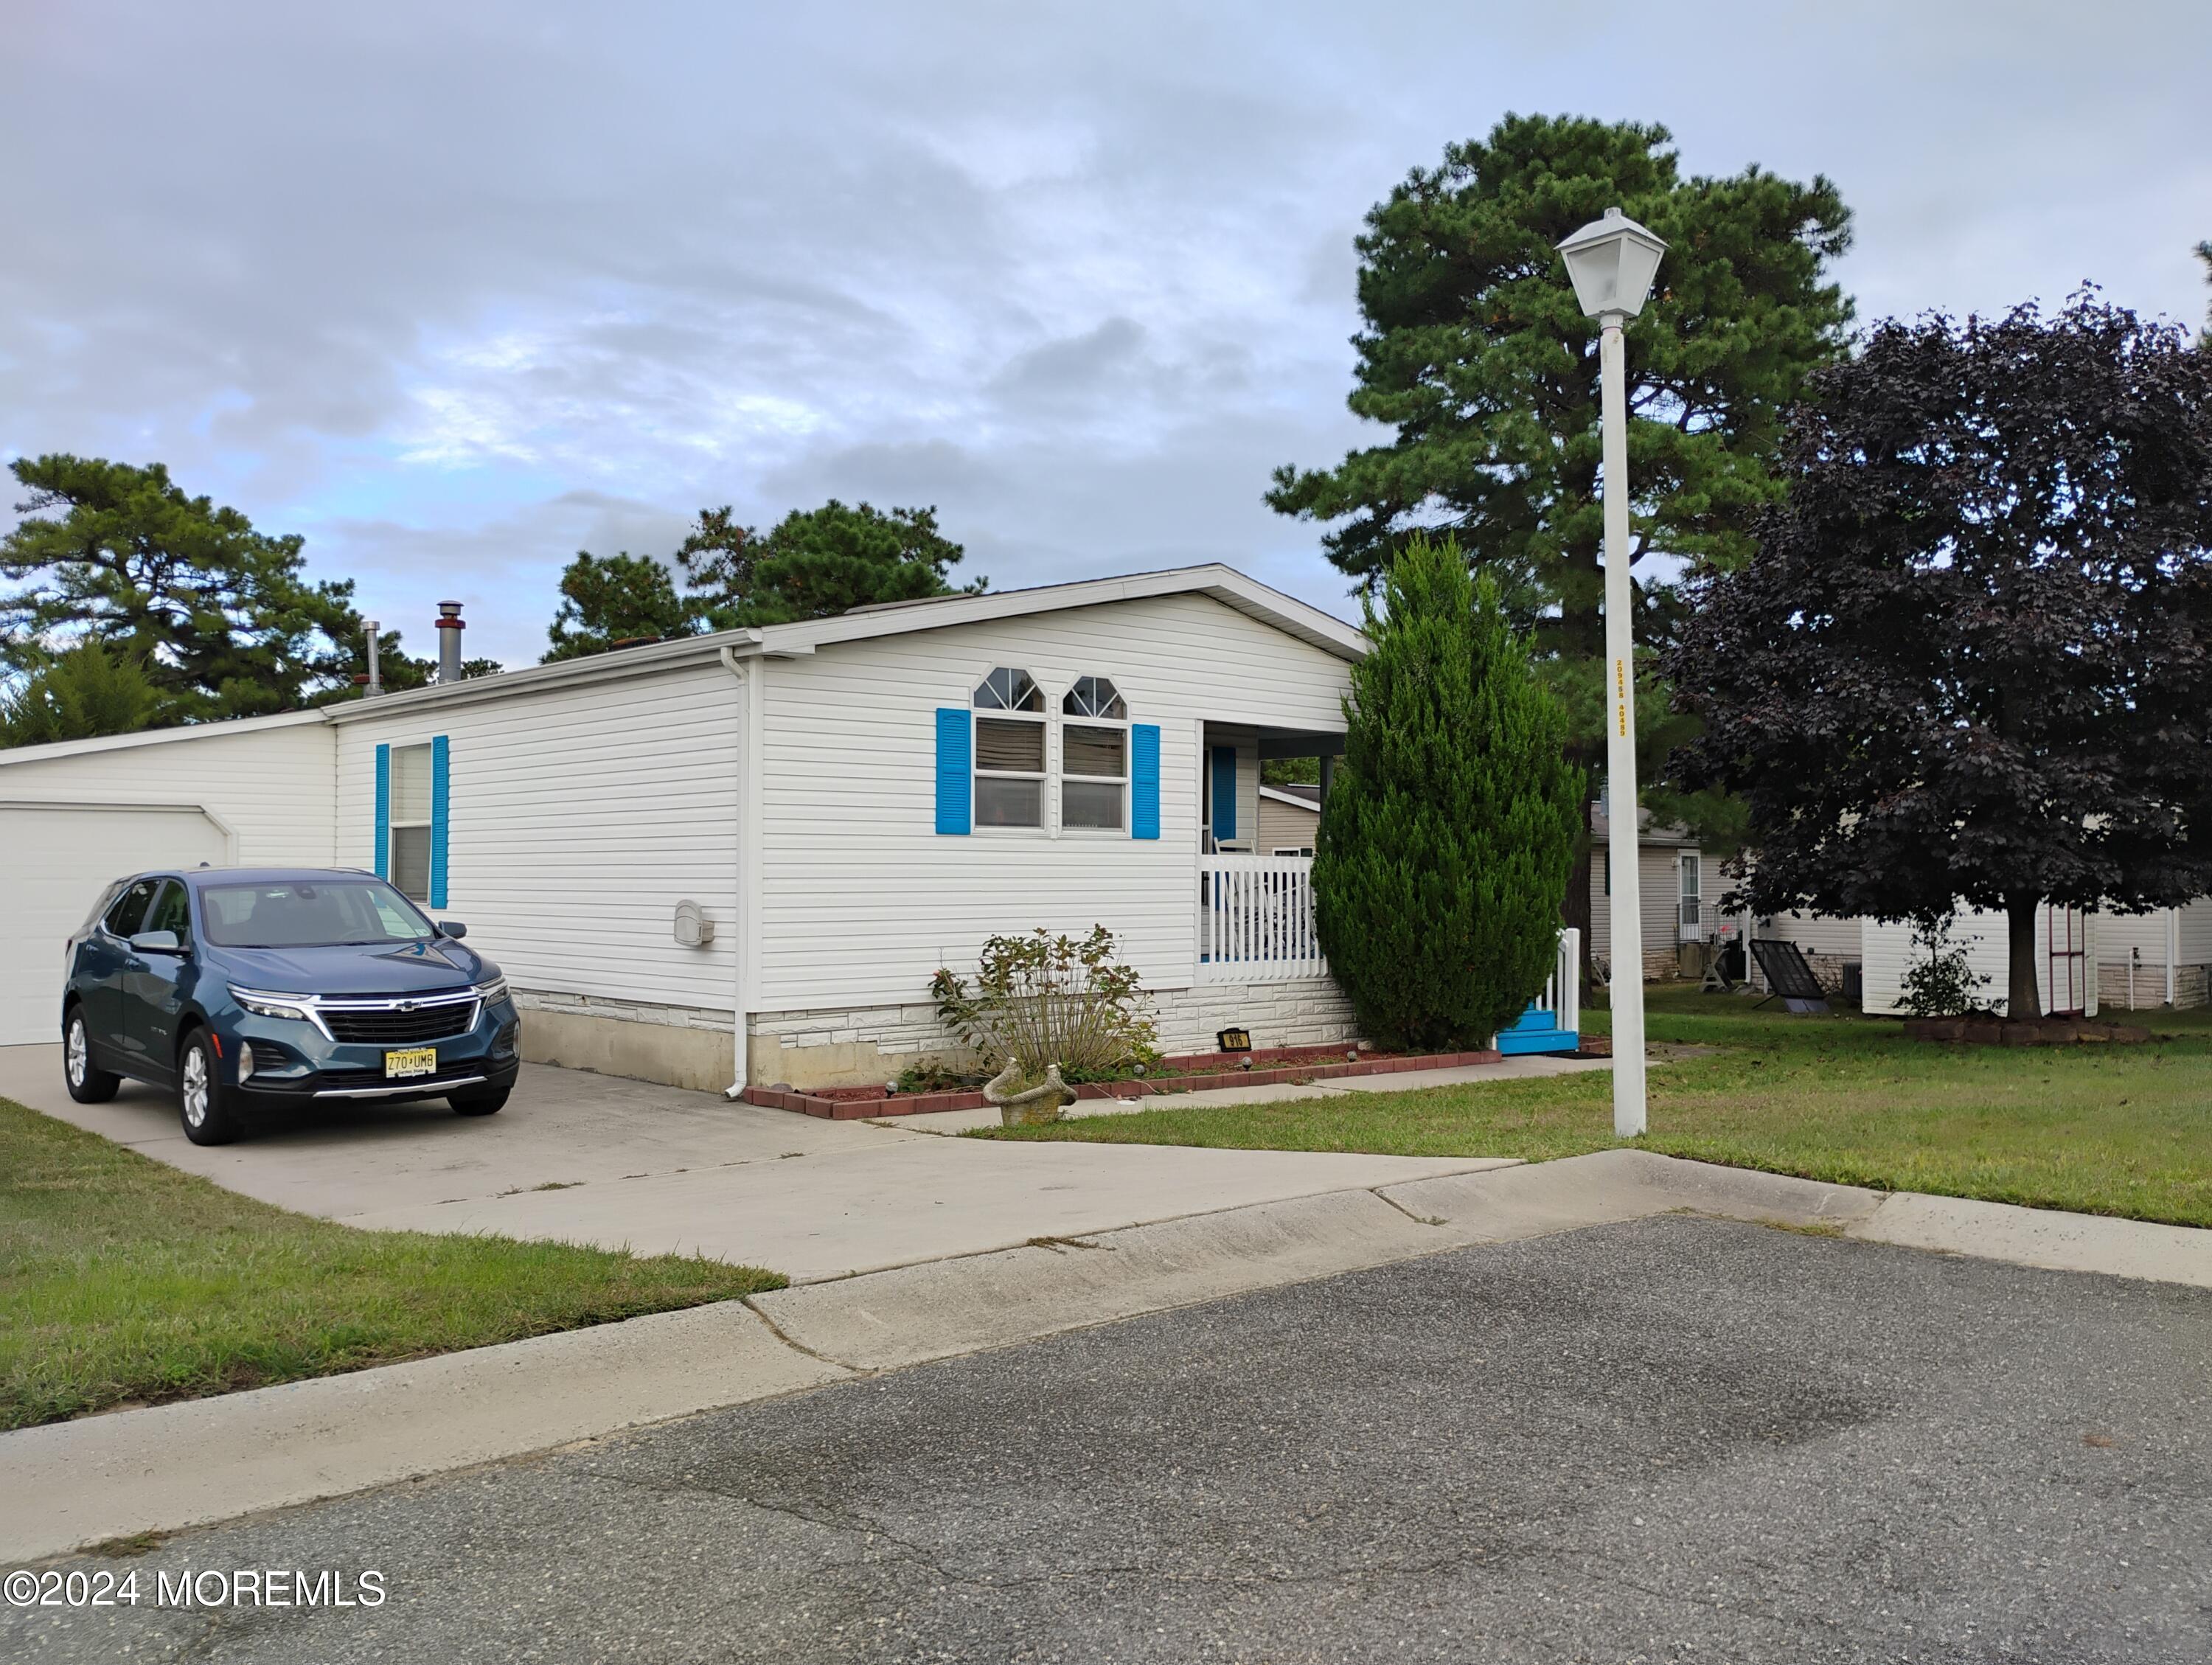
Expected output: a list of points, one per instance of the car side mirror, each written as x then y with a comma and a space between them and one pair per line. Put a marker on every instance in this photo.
156, 942
454, 928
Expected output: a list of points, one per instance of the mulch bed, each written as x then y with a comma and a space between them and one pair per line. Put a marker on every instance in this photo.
1275, 1066
1990, 1032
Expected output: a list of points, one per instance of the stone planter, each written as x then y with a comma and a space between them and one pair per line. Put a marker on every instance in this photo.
1032, 1107
1987, 1031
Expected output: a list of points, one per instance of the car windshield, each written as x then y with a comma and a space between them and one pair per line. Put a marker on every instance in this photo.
321, 912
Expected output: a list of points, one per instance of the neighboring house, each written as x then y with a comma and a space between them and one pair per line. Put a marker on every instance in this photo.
1288, 818
1680, 882
846, 804
2154, 959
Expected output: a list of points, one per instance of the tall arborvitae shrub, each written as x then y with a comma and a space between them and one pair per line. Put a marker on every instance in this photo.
1449, 830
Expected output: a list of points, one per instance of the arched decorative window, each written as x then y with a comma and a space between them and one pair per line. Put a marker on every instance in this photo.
1095, 696
1010, 760
1008, 689
1094, 756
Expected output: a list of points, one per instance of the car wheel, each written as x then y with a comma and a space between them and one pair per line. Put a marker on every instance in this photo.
486, 1103
208, 1116
88, 1084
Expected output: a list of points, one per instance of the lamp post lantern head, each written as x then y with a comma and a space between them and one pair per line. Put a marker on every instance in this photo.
1612, 262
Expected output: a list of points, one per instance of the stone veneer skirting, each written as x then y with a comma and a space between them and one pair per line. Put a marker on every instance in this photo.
857, 1047
851, 1047
2190, 985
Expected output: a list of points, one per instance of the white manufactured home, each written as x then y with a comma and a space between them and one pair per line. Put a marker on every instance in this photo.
738, 858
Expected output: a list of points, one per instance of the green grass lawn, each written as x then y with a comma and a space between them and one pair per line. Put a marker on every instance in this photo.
123, 1281
2105, 1130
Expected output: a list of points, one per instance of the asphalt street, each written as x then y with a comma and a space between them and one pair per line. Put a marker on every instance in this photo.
1678, 1440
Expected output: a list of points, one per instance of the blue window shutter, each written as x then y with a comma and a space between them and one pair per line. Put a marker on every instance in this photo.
384, 811
954, 739
1145, 781
1225, 792
438, 819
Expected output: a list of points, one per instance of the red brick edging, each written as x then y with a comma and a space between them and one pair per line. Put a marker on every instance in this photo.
922, 1104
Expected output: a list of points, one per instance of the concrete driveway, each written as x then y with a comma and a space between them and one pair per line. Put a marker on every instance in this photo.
625, 1164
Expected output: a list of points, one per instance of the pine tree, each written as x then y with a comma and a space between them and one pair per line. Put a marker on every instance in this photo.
1476, 359
79, 695
817, 563
222, 618
618, 597
1448, 834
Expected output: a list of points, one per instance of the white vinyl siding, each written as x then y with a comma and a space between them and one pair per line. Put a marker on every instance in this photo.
861, 901
1818, 934
1660, 876
1889, 954
268, 780
1286, 826
2117, 934
2195, 930
577, 819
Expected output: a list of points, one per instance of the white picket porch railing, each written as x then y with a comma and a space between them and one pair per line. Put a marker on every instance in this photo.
1255, 924
1255, 920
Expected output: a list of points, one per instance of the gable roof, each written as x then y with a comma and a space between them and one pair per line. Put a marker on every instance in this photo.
1222, 583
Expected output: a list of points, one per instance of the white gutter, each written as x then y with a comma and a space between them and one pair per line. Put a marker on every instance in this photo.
746, 867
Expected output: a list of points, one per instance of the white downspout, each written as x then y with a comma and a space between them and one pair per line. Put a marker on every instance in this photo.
2172, 948
747, 847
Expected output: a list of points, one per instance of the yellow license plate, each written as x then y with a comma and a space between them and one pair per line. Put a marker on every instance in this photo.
414, 1060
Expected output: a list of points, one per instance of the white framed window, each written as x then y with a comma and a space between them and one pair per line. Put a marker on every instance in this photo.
1093, 756
409, 826
1010, 750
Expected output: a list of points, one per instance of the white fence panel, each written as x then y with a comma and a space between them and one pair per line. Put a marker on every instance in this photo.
1255, 920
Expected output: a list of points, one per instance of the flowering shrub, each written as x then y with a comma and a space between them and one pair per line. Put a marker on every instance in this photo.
1040, 999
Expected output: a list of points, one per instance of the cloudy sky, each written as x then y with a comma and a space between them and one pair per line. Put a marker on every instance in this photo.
458, 289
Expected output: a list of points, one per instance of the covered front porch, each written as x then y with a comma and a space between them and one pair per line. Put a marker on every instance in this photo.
1254, 895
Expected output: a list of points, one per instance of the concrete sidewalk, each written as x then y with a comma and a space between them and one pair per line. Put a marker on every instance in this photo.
175, 1466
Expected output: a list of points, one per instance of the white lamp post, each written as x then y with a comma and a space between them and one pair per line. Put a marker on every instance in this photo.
1612, 263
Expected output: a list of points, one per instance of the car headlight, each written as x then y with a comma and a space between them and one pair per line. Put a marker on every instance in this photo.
494, 990
271, 1005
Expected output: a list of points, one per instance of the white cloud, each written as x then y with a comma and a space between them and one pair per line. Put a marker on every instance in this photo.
457, 290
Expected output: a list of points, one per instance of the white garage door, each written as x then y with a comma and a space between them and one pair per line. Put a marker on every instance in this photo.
56, 861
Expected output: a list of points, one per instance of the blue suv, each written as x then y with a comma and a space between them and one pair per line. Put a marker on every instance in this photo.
250, 987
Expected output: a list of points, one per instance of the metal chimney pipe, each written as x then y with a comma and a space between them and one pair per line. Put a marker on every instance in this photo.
375, 671
449, 641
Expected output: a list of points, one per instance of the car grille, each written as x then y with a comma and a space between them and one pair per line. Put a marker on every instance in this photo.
394, 1028
340, 1080
267, 1055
